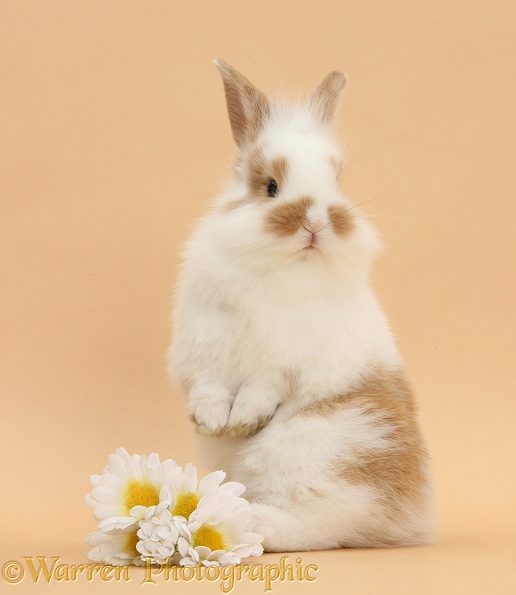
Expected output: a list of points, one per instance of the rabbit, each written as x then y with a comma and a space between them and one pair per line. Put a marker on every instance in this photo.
291, 372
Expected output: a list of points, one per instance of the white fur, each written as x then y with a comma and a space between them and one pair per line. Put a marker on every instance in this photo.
253, 310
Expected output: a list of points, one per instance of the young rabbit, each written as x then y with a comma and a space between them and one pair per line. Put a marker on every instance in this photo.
292, 375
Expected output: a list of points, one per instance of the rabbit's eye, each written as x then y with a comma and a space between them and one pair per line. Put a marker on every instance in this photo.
272, 188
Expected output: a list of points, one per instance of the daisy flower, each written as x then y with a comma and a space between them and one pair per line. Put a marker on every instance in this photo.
152, 510
186, 491
221, 529
129, 485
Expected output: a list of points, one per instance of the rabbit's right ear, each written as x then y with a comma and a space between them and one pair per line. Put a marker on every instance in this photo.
248, 107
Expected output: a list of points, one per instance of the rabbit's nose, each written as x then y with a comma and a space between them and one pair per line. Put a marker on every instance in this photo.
315, 226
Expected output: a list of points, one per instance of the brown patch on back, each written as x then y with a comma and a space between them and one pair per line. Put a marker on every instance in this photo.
341, 219
286, 218
397, 471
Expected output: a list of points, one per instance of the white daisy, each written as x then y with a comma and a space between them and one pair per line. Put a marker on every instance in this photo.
163, 537
187, 491
118, 547
148, 509
222, 531
129, 485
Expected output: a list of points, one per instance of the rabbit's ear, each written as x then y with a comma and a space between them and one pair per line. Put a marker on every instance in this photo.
247, 106
325, 99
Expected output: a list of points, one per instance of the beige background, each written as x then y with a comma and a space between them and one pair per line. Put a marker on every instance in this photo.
115, 138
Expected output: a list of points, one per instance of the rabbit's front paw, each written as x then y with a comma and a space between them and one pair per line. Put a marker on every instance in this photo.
252, 409
209, 408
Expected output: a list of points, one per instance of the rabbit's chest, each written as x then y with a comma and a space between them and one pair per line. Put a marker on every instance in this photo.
304, 339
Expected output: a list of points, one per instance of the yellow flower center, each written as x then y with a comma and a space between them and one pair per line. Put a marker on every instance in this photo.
209, 537
185, 505
141, 494
130, 546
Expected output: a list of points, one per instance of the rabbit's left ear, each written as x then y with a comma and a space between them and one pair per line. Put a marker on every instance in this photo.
248, 107
325, 99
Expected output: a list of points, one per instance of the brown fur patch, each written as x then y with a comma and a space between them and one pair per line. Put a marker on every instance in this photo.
286, 218
257, 176
279, 170
237, 431
248, 107
261, 171
341, 219
241, 430
395, 472
203, 430
290, 380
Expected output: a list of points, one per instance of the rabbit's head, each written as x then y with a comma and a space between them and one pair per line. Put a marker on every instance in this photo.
284, 204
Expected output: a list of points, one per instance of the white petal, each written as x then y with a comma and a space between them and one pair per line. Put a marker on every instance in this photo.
191, 478
203, 551
139, 511
163, 508
95, 480
94, 538
120, 524
112, 481
164, 493
236, 488
105, 511
210, 563
229, 558
153, 460
104, 495
121, 452
96, 555
183, 546
211, 482
90, 501
117, 466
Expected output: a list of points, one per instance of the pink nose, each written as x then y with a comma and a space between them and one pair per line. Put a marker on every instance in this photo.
315, 226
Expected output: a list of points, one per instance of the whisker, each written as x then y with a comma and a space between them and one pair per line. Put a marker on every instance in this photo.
399, 240
391, 217
382, 284
268, 202
365, 202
